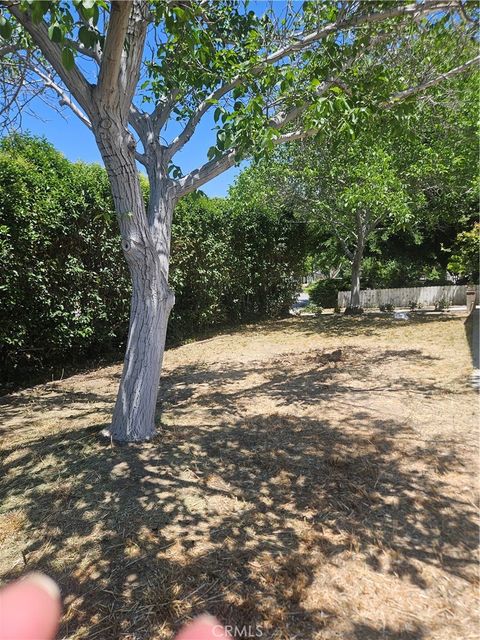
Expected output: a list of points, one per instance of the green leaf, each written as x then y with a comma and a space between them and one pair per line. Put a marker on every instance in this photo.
39, 9
68, 59
6, 28
86, 36
55, 33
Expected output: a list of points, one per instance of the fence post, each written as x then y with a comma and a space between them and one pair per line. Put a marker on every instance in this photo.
471, 298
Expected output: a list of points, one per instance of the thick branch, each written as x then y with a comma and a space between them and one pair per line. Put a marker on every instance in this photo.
136, 34
195, 179
108, 79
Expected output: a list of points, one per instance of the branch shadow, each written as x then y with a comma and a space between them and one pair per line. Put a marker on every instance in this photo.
239, 515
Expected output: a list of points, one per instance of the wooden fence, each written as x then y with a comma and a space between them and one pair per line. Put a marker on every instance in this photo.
453, 295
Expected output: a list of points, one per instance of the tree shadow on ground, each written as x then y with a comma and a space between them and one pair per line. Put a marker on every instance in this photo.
238, 516
340, 325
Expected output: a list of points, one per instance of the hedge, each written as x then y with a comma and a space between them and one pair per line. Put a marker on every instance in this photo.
64, 284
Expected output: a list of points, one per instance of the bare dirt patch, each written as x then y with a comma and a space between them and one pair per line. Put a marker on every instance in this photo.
314, 478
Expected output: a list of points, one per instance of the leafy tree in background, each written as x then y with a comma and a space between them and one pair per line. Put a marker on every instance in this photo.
353, 190
419, 174
465, 254
267, 79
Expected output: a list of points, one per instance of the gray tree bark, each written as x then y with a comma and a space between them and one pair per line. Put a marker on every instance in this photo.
146, 246
362, 230
355, 281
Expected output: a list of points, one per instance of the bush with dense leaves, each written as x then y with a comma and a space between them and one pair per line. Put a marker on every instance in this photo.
324, 293
200, 265
64, 284
232, 262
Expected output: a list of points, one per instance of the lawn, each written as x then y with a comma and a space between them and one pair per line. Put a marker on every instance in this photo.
312, 477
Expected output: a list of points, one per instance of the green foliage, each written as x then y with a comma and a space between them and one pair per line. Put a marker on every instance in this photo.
413, 188
65, 288
388, 272
200, 272
464, 259
442, 305
269, 247
313, 308
231, 261
324, 292
196, 47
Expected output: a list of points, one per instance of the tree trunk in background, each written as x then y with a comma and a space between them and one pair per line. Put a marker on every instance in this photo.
146, 248
354, 306
355, 283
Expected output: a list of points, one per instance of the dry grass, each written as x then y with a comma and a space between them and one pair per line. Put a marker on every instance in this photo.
312, 477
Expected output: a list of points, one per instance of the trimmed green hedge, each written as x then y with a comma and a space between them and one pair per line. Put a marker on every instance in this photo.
64, 284
64, 289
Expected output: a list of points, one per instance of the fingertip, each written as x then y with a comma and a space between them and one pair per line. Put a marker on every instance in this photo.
205, 627
30, 609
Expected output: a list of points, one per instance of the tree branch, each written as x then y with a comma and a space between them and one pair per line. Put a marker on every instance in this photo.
402, 95
65, 99
73, 79
6, 49
108, 78
196, 178
162, 111
301, 42
84, 51
136, 34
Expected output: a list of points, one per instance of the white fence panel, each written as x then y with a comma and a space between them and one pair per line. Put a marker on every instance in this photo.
425, 296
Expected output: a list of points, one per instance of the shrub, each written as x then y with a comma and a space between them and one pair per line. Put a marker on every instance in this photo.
464, 257
387, 307
313, 308
413, 304
442, 304
324, 292
65, 287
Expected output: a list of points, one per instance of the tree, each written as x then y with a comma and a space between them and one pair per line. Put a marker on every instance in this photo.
464, 259
412, 179
350, 189
268, 80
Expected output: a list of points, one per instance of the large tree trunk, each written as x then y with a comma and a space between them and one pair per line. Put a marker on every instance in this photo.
146, 246
134, 414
